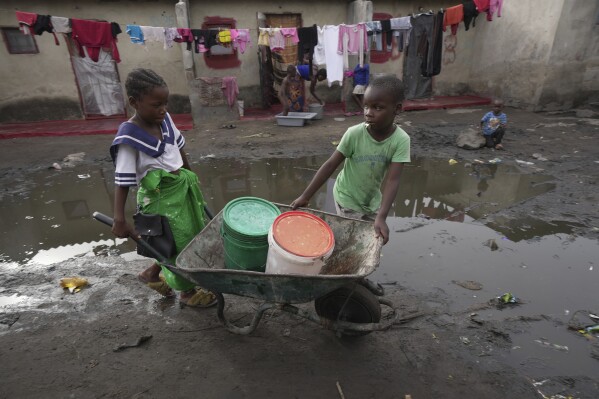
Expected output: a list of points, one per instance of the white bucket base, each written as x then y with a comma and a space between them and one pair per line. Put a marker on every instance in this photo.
279, 261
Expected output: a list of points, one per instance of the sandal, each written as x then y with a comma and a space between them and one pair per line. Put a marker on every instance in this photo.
160, 287
201, 299
499, 147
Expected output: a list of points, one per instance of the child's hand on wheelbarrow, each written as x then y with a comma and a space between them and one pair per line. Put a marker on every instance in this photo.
122, 229
381, 229
300, 202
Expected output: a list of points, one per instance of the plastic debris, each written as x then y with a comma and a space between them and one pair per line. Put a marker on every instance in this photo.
335, 142
524, 162
208, 156
452, 161
548, 344
74, 284
465, 340
507, 298
56, 166
468, 284
495, 160
538, 156
84, 176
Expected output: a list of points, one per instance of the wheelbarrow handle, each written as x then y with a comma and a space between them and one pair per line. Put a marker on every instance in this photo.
107, 220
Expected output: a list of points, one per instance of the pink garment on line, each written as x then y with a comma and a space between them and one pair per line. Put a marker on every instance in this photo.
230, 89
494, 5
292, 33
185, 35
277, 40
355, 33
241, 39
482, 5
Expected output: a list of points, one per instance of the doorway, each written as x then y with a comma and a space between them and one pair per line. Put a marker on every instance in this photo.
273, 64
98, 84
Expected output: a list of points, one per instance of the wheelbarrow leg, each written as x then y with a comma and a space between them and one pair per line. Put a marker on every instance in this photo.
232, 327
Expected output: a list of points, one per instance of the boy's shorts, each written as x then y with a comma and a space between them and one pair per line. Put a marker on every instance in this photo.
350, 213
359, 89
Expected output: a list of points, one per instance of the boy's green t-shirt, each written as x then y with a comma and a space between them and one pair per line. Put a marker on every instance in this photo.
358, 186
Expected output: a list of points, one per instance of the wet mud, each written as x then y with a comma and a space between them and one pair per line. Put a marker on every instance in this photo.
537, 203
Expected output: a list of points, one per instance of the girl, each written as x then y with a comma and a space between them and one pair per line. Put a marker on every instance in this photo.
148, 152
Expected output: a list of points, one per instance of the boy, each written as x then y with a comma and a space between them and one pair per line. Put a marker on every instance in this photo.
317, 75
291, 93
492, 126
361, 78
372, 151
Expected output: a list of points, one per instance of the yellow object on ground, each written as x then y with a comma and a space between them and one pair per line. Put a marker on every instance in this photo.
74, 284
452, 161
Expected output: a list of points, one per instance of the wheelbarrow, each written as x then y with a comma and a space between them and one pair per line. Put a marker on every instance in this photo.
344, 301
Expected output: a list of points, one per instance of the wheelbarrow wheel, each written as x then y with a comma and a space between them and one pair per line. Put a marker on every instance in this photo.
351, 303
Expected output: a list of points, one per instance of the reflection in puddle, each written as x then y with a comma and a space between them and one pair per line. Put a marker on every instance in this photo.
52, 222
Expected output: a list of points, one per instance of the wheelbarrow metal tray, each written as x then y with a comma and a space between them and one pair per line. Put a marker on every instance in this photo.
356, 255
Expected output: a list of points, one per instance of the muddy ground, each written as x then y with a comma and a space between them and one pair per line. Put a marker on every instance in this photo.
57, 345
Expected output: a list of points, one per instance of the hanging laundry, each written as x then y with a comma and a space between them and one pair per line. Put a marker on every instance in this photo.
494, 5
470, 13
308, 39
482, 5
264, 38
224, 37
386, 28
453, 16
334, 60
93, 36
291, 33
374, 30
204, 39
26, 21
134, 31
241, 39
61, 24
319, 56
356, 34
276, 40
401, 29
170, 34
431, 64
230, 89
153, 33
43, 24
115, 29
184, 36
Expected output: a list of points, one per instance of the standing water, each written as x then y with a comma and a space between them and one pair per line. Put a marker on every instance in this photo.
435, 238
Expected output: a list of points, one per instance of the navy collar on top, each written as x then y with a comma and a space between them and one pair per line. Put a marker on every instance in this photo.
138, 138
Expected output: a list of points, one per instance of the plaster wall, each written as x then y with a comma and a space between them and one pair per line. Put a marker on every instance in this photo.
46, 82
573, 67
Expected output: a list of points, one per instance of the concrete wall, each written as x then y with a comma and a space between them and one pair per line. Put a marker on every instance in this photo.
42, 86
539, 58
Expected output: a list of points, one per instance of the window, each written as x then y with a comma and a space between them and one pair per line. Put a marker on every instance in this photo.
220, 57
380, 57
19, 43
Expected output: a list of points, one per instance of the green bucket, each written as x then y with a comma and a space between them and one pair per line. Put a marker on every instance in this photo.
246, 221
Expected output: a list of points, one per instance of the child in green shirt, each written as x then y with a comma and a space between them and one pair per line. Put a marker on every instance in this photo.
371, 150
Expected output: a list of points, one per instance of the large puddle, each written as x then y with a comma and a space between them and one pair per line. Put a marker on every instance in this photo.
435, 238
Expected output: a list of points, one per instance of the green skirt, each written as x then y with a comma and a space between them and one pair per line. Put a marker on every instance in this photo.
178, 197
